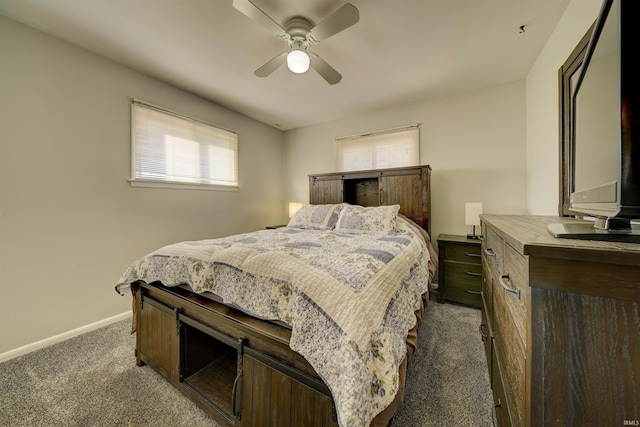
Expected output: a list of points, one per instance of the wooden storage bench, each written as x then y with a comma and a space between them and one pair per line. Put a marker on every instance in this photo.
238, 369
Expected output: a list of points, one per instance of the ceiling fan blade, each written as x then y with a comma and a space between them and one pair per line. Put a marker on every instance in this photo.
255, 13
341, 19
325, 70
272, 65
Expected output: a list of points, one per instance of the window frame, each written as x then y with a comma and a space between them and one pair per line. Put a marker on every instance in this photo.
176, 184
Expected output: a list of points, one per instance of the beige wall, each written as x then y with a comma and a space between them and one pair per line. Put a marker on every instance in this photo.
474, 143
70, 223
542, 107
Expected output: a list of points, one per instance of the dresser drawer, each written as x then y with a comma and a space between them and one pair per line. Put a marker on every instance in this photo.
514, 284
492, 251
486, 335
487, 289
501, 414
510, 355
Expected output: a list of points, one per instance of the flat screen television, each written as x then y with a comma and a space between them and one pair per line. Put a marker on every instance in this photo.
605, 164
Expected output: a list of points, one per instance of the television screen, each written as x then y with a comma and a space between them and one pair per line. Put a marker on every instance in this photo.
596, 109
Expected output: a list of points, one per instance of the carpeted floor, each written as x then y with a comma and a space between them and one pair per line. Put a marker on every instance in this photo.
447, 379
92, 380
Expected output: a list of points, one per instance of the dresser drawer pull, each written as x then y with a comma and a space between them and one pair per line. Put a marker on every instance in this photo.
490, 252
469, 291
472, 255
507, 288
472, 273
494, 414
482, 334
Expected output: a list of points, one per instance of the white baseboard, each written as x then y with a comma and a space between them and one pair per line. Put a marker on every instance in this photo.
62, 337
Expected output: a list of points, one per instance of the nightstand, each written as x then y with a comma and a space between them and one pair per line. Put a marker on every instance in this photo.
460, 270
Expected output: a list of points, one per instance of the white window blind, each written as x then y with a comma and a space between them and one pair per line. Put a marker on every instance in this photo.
377, 150
170, 150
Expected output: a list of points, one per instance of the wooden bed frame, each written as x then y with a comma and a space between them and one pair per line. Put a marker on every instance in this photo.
238, 368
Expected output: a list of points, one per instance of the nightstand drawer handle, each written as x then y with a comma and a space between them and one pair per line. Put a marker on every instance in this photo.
469, 291
471, 273
507, 288
472, 255
490, 252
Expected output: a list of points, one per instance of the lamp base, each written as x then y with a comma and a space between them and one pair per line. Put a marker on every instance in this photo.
474, 236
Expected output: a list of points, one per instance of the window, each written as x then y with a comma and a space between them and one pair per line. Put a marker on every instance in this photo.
174, 151
378, 150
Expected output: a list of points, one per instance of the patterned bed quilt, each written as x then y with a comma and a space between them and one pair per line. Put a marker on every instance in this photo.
348, 298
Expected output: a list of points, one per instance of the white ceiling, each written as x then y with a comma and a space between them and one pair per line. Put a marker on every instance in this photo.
399, 51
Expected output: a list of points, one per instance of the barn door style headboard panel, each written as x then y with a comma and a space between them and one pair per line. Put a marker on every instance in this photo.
409, 187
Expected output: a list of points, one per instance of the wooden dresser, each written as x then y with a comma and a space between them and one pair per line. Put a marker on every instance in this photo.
561, 325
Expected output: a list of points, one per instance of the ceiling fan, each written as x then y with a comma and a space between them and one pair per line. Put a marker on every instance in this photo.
299, 33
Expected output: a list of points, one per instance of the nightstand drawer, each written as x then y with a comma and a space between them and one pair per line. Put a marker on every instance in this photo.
464, 253
465, 293
458, 273
464, 282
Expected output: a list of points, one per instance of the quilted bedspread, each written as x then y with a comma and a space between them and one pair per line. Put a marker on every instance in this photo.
349, 298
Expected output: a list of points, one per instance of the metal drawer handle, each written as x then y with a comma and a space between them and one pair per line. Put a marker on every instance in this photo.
507, 288
482, 334
234, 391
490, 252
471, 273
494, 414
472, 255
234, 394
469, 291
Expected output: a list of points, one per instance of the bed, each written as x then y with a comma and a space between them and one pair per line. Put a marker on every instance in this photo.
309, 324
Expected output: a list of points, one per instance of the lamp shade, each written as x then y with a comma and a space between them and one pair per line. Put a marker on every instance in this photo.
293, 208
472, 213
298, 61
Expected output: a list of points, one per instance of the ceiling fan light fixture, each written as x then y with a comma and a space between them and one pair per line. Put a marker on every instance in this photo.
298, 61
300, 33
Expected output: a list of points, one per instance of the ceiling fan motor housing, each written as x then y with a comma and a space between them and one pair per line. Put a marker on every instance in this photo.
298, 27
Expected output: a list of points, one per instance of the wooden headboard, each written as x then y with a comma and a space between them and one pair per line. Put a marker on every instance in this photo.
409, 187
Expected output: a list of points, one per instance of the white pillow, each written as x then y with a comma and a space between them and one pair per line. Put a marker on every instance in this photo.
317, 217
360, 219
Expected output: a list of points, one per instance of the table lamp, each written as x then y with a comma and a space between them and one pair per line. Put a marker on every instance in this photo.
293, 208
472, 213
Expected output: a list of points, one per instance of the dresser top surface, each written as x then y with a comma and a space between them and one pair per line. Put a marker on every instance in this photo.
528, 234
